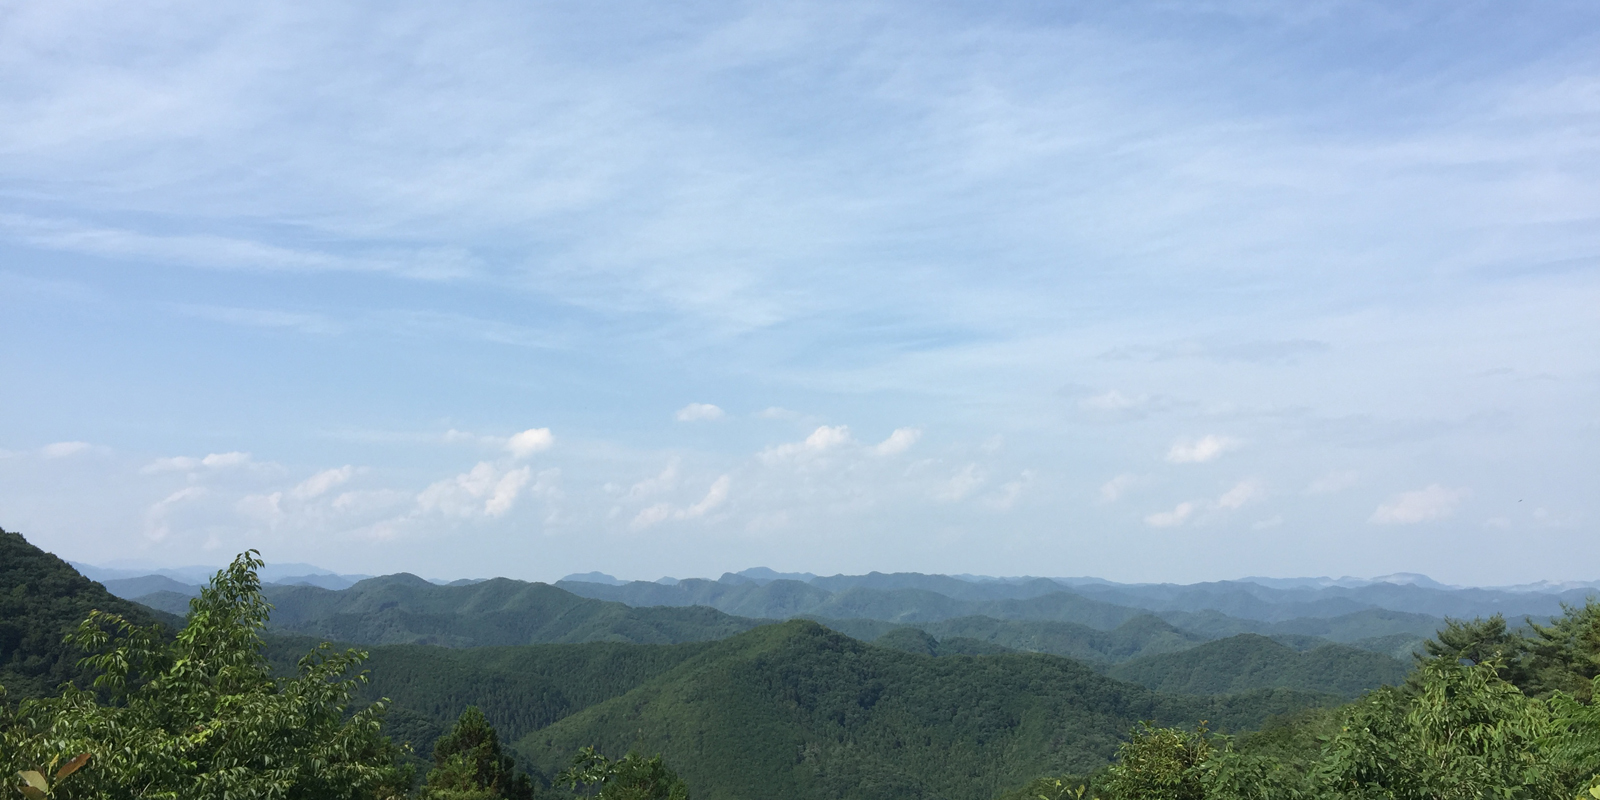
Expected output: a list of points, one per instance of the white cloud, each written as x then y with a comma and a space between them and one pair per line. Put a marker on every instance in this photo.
1245, 492
715, 496
1115, 489
1200, 450
1421, 505
63, 449
486, 490
157, 525
1169, 519
821, 440
695, 412
961, 484
506, 490
661, 512
1334, 482
224, 460
530, 441
369, 501
174, 464
1112, 401
665, 482
899, 441
266, 508
1006, 496
190, 464
319, 484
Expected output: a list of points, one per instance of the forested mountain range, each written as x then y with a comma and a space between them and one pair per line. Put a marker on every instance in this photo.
398, 609
1244, 599
892, 698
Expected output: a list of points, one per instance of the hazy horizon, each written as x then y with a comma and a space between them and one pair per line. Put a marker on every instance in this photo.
1149, 292
275, 571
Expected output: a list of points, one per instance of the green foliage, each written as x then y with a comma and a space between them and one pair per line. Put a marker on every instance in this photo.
42, 599
1161, 764
1561, 656
1060, 787
202, 716
1576, 742
1477, 641
1453, 732
1461, 732
633, 777
469, 764
1564, 656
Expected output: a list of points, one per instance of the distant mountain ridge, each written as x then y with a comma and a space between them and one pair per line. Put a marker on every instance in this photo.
1098, 622
876, 596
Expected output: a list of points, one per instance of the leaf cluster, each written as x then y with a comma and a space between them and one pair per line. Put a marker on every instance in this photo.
202, 716
632, 777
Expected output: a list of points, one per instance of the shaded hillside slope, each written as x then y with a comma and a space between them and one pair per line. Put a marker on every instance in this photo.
520, 689
1248, 661
42, 599
795, 710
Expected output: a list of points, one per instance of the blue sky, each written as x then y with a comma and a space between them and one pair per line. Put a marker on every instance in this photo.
1151, 291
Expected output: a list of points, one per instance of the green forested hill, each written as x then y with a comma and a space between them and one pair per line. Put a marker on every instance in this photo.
405, 609
892, 598
520, 689
795, 710
42, 599
1141, 635
1248, 661
1358, 626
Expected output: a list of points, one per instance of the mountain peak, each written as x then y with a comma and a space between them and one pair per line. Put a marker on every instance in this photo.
594, 577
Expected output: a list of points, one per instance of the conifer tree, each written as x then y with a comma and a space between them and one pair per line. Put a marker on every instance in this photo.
469, 764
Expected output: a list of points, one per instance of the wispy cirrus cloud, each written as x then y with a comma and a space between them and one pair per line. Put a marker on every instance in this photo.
209, 251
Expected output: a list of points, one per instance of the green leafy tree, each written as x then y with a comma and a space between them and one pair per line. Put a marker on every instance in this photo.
469, 764
201, 716
1176, 764
632, 777
1564, 656
1459, 732
1480, 641
1161, 764
1576, 743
